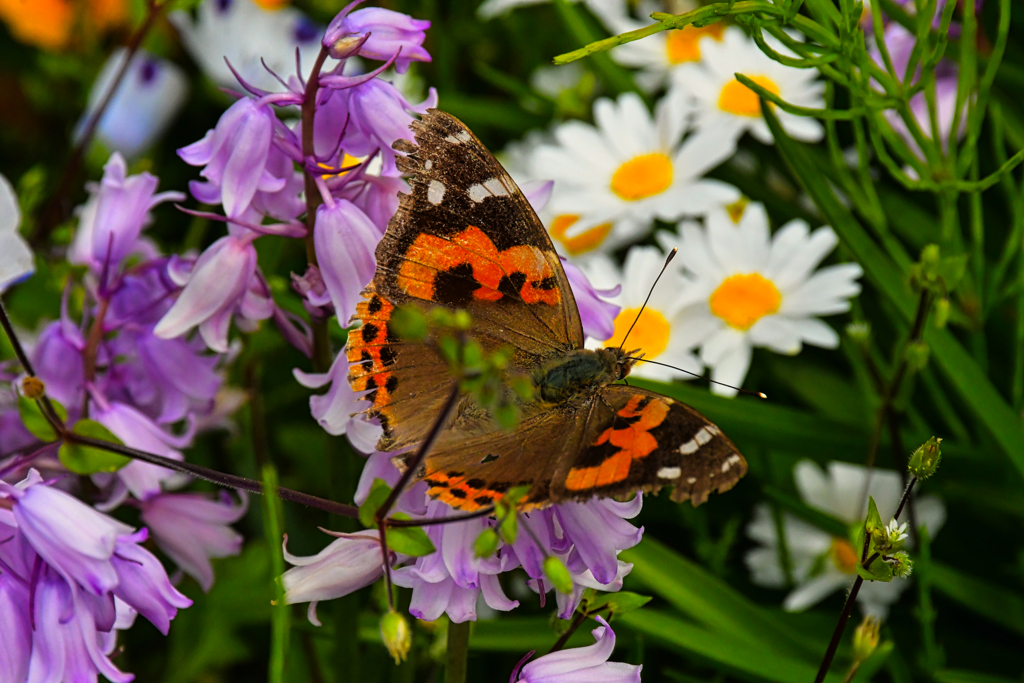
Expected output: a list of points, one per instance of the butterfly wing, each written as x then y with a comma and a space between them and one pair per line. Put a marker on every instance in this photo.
619, 441
640, 440
463, 237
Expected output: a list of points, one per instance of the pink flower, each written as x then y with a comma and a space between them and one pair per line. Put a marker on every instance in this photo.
191, 528
384, 33
345, 240
580, 665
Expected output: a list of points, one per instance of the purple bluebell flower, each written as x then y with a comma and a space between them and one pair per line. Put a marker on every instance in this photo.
350, 562
236, 156
333, 410
579, 664
70, 641
315, 299
376, 196
345, 239
379, 33
192, 528
218, 283
598, 314
15, 627
58, 356
148, 98
367, 119
111, 222
16, 260
143, 583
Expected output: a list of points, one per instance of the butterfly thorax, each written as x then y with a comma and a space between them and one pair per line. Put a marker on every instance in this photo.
581, 371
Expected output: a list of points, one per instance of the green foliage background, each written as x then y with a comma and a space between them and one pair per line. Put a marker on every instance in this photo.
963, 621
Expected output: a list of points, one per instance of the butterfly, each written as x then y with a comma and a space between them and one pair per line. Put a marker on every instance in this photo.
465, 237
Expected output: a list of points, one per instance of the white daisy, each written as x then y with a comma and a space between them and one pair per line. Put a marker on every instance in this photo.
614, 178
16, 260
658, 55
751, 289
820, 563
660, 330
729, 108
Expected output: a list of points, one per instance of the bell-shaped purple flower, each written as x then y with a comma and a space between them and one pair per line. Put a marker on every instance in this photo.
217, 284
143, 583
15, 628
71, 639
599, 532
191, 528
74, 539
110, 224
596, 313
377, 196
58, 357
379, 34
580, 664
350, 562
333, 410
345, 239
235, 155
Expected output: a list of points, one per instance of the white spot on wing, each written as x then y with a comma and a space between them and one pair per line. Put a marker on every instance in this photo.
464, 136
669, 473
691, 480
496, 187
453, 140
478, 192
428, 164
435, 192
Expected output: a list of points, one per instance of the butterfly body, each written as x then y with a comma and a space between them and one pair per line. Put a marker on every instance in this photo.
465, 237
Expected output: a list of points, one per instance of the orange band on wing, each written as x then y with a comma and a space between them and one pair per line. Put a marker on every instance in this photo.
634, 442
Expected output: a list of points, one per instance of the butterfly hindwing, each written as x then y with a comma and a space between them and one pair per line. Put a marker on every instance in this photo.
640, 440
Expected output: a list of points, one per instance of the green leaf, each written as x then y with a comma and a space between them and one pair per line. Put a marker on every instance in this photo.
87, 460
998, 604
874, 520
965, 676
557, 574
618, 603
878, 571
408, 540
486, 543
34, 420
958, 366
509, 526
409, 323
379, 492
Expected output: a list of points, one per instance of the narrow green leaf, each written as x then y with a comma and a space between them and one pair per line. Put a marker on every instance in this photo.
965, 676
998, 604
379, 492
87, 459
409, 540
958, 366
618, 603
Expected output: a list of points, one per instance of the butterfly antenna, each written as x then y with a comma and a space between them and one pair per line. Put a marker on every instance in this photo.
668, 260
759, 394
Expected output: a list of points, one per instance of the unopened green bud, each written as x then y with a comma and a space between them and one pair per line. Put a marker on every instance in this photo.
394, 631
925, 459
930, 256
865, 638
859, 332
941, 315
557, 574
486, 543
917, 356
901, 564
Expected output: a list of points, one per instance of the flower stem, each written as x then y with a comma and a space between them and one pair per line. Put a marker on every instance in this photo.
57, 209
577, 621
92, 345
457, 653
321, 339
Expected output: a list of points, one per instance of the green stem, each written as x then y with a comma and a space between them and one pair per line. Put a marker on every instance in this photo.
457, 654
280, 615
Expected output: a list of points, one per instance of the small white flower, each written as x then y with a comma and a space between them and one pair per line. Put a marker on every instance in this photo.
147, 100
896, 532
727, 108
614, 178
660, 332
16, 260
822, 564
751, 289
245, 33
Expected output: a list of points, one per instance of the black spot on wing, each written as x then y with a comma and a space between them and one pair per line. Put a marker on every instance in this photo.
455, 286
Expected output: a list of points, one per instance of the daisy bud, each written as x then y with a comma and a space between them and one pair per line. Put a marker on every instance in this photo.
860, 332
865, 638
925, 459
941, 315
557, 574
916, 356
394, 631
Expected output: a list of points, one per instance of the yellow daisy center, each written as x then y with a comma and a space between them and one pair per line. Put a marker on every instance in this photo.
844, 556
736, 209
684, 45
742, 300
738, 99
643, 176
650, 334
587, 240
